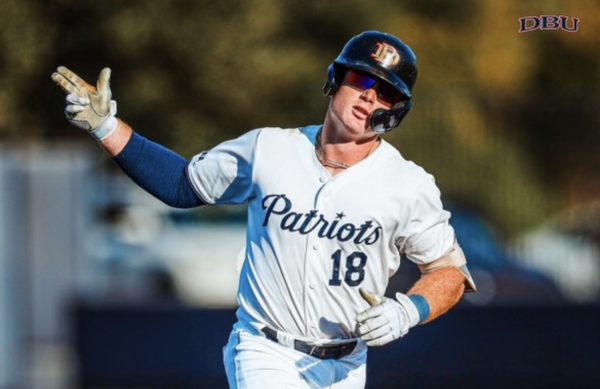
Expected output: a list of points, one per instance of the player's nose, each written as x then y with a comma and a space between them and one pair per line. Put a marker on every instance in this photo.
369, 95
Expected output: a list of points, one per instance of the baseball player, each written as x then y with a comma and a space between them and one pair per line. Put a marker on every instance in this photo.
331, 209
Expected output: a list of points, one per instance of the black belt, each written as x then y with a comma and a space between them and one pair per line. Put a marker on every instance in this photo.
333, 351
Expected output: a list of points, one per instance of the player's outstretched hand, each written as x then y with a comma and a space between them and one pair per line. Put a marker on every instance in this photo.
88, 107
386, 320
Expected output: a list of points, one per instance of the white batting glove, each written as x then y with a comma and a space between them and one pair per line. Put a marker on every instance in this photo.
88, 107
386, 320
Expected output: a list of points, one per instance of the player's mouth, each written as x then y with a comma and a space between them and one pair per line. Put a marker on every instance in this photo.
360, 112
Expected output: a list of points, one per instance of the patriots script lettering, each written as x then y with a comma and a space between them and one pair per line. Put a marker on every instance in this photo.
307, 222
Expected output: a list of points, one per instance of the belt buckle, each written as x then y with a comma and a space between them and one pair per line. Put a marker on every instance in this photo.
322, 353
329, 352
318, 351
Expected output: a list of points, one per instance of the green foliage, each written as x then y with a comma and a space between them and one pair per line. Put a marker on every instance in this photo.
504, 120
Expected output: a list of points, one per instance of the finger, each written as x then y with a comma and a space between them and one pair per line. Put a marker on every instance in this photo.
103, 84
76, 80
72, 98
73, 109
113, 107
380, 341
369, 297
377, 333
372, 324
375, 311
64, 84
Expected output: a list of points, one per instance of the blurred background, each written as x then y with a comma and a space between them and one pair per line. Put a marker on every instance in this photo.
103, 286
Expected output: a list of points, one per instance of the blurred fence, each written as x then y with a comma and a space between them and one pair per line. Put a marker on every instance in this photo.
44, 215
12, 248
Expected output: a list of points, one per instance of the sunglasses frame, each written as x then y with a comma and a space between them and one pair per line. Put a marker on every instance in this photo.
362, 81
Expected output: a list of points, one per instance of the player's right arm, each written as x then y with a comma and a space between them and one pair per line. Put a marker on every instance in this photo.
158, 170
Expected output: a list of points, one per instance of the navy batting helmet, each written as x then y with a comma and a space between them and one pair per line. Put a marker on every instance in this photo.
386, 57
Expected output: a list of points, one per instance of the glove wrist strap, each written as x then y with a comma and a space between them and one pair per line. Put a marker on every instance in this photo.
412, 310
105, 129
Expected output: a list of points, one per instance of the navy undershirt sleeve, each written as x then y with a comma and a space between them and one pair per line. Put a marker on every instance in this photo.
158, 170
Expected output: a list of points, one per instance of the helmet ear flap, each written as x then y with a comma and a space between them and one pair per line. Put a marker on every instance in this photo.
334, 80
383, 121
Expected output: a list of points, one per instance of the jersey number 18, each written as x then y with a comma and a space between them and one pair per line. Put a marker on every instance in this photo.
355, 268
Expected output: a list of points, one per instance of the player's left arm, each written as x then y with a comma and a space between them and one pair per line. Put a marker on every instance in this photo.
429, 241
437, 292
441, 286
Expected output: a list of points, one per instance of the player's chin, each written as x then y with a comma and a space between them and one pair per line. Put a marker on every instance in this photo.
363, 129
357, 125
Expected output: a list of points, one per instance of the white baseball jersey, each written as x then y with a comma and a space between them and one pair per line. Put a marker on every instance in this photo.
313, 239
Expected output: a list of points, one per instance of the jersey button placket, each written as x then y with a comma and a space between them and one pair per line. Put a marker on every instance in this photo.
314, 261
311, 287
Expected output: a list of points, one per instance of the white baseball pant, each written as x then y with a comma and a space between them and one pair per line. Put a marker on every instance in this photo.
252, 361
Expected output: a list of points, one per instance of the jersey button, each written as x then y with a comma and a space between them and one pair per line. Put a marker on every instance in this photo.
322, 179
315, 246
312, 286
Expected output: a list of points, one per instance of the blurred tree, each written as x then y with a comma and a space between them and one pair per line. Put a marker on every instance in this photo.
505, 121
26, 37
